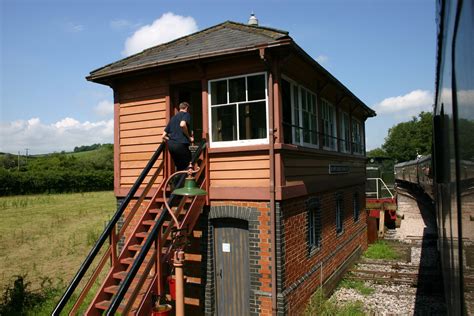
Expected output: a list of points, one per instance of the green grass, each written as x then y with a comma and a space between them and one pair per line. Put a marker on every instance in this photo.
48, 236
381, 250
321, 306
356, 285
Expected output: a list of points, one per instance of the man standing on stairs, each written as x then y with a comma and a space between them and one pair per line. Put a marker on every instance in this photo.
178, 136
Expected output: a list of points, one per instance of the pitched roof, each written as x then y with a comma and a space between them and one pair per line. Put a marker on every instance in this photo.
227, 37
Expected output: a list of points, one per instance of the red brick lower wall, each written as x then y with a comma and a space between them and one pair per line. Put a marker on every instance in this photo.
304, 271
260, 232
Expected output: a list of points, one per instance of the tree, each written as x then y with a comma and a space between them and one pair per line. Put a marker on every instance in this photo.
377, 152
407, 139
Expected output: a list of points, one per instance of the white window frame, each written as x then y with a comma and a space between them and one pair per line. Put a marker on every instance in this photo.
327, 109
344, 139
298, 128
242, 142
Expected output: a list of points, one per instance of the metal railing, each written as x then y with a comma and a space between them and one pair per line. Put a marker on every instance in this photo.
109, 232
299, 135
380, 188
152, 237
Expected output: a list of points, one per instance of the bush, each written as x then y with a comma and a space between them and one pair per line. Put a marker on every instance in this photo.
54, 181
18, 299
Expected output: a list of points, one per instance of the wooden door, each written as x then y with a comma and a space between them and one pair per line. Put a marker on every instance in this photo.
232, 267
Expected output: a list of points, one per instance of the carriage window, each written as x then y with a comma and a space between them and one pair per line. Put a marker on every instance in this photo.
239, 110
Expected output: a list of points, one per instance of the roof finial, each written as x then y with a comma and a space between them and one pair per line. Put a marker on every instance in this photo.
253, 20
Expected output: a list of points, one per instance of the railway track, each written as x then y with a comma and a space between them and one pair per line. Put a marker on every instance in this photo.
411, 284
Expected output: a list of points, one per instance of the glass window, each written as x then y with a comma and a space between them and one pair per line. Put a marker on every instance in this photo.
357, 137
329, 124
219, 95
345, 132
252, 120
314, 224
238, 112
287, 110
224, 123
256, 87
237, 90
300, 104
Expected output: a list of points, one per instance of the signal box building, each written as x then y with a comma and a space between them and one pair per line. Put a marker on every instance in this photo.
285, 167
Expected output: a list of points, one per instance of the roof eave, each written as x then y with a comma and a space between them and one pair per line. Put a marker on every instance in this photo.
100, 77
367, 109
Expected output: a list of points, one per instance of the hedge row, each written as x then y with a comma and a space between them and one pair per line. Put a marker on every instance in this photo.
54, 181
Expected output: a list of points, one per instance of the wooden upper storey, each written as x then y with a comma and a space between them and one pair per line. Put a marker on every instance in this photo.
317, 127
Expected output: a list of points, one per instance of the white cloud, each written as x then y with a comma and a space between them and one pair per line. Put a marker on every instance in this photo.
406, 105
42, 138
104, 108
168, 27
322, 59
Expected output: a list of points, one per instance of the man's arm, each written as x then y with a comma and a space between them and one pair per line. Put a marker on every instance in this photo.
184, 127
165, 136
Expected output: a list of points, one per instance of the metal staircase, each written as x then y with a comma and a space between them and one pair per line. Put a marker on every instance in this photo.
129, 279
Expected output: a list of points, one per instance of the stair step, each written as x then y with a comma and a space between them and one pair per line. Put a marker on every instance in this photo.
149, 222
187, 300
135, 247
105, 304
141, 235
120, 275
154, 211
128, 261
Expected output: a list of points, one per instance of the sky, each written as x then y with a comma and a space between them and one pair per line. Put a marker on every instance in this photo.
384, 51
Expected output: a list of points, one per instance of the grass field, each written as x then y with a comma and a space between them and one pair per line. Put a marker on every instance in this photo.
48, 236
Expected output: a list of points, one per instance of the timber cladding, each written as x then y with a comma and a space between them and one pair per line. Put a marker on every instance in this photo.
243, 170
142, 119
313, 170
303, 271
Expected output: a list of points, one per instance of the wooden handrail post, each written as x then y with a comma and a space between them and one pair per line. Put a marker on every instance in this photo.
113, 246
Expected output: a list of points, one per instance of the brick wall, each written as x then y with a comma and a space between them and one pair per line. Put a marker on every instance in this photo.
305, 271
257, 214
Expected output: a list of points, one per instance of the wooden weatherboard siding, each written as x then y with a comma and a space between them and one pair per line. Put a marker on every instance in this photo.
142, 118
239, 175
312, 170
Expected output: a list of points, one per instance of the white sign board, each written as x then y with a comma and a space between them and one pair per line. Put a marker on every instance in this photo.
225, 247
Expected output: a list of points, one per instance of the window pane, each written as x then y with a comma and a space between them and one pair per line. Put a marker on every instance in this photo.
237, 89
256, 87
286, 100
306, 128
219, 92
224, 123
303, 100
252, 120
296, 114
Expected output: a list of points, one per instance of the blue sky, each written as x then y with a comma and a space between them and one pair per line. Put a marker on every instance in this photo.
382, 50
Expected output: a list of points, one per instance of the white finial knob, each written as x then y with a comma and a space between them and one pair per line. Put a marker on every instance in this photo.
253, 20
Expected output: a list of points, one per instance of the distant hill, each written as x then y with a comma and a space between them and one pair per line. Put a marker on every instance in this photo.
88, 168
